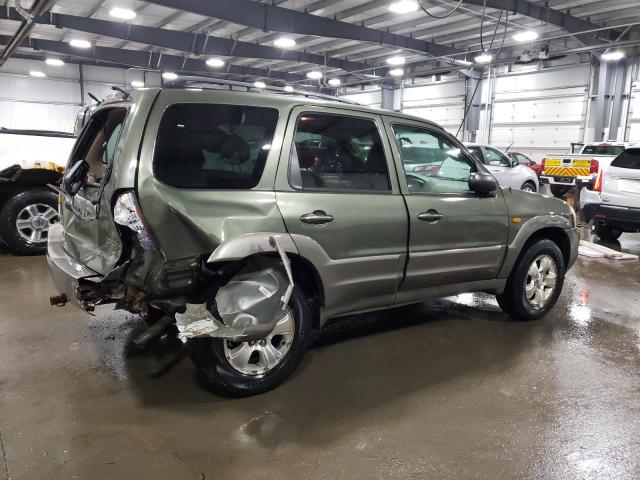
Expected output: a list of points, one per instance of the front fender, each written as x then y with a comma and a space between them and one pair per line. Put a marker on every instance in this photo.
528, 229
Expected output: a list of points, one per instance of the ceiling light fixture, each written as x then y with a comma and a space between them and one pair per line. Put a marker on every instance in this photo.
395, 60
525, 36
288, 88
314, 74
215, 62
54, 62
334, 82
483, 58
37, 74
122, 13
612, 55
259, 84
80, 43
169, 75
396, 72
404, 6
137, 83
284, 42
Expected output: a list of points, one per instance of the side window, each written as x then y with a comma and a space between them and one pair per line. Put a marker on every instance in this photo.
432, 163
98, 143
496, 158
336, 152
213, 146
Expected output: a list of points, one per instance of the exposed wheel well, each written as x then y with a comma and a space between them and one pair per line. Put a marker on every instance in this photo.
307, 277
556, 235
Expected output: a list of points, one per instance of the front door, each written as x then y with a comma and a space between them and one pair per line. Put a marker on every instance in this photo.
456, 236
500, 166
341, 202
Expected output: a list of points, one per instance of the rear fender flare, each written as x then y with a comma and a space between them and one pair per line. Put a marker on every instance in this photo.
243, 246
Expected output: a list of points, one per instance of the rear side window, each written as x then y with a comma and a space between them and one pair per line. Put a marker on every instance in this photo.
213, 146
603, 149
628, 159
336, 152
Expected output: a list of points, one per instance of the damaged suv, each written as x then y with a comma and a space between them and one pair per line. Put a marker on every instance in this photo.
250, 220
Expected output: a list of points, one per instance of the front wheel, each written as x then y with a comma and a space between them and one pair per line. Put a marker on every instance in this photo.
528, 187
535, 283
242, 369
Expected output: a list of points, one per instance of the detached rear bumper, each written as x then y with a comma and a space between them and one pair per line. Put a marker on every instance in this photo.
65, 270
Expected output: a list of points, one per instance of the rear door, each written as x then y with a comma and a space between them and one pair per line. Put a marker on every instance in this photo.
90, 234
339, 196
456, 236
621, 181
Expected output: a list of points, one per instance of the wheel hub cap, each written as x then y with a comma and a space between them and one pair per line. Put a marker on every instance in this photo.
260, 356
33, 222
540, 282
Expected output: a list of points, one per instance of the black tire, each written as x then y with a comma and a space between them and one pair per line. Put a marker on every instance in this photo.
10, 212
559, 190
207, 355
531, 186
607, 232
513, 300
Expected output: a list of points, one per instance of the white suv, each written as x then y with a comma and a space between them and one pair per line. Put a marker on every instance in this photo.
614, 202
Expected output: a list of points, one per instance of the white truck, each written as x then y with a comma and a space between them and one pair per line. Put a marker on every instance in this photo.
564, 171
29, 160
613, 205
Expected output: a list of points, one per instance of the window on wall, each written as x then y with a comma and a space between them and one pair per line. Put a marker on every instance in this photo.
432, 163
213, 146
336, 152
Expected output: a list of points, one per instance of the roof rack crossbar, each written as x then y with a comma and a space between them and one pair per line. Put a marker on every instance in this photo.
203, 82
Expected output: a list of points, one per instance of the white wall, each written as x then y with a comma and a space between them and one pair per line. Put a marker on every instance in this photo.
441, 102
371, 97
50, 103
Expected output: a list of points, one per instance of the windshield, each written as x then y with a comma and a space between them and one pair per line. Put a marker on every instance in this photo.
603, 150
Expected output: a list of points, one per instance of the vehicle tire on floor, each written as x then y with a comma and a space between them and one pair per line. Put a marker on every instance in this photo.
535, 283
528, 187
607, 232
559, 190
25, 220
241, 369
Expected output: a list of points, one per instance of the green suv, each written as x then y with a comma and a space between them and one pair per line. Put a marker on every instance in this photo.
248, 220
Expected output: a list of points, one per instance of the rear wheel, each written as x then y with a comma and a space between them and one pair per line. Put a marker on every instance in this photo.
25, 221
560, 190
241, 369
607, 232
535, 282
528, 187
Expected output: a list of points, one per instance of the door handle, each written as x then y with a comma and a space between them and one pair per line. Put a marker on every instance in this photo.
318, 217
430, 216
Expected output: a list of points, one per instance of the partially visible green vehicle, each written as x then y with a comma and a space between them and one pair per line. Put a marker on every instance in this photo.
252, 219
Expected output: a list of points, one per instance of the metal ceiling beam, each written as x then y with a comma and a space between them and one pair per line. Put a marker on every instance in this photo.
38, 7
549, 15
271, 18
149, 60
196, 43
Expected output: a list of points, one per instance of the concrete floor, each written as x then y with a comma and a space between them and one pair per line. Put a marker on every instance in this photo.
446, 389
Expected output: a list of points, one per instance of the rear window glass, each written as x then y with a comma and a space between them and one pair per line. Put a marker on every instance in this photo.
628, 159
213, 146
603, 149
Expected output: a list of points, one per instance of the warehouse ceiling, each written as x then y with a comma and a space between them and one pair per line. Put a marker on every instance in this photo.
349, 40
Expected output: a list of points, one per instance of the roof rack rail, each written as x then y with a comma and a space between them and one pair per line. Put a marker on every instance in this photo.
204, 82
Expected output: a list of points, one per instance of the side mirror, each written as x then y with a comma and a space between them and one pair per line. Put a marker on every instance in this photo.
482, 183
74, 178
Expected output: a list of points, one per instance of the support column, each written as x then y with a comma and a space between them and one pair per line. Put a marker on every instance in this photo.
616, 107
389, 90
472, 103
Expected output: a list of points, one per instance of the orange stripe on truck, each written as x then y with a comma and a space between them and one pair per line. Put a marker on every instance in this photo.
566, 171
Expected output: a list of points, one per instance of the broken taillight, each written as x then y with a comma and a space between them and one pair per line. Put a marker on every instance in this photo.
126, 212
